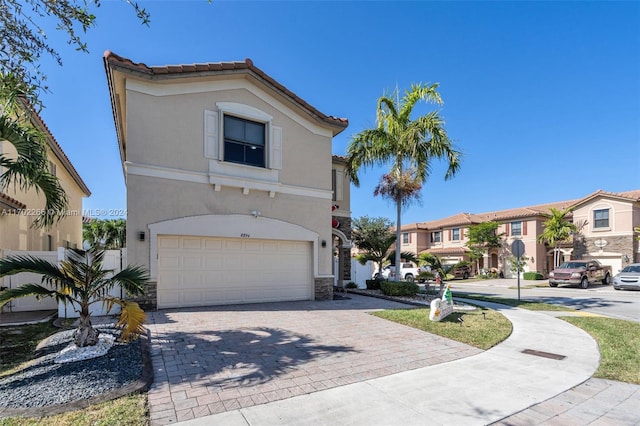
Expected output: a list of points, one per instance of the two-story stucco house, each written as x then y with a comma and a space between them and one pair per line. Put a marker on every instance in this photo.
230, 189
18, 209
606, 223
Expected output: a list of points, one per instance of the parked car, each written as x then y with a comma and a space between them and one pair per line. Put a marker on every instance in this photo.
408, 272
460, 271
580, 272
628, 278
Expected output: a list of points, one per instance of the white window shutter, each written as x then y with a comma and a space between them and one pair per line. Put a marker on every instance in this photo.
211, 134
275, 150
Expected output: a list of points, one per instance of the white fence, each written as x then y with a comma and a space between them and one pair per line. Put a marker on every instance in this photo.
113, 260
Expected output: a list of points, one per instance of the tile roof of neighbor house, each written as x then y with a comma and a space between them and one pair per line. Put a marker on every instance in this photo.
446, 250
113, 60
11, 203
55, 147
633, 195
520, 212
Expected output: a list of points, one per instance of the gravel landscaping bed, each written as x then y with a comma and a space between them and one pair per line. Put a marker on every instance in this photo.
45, 383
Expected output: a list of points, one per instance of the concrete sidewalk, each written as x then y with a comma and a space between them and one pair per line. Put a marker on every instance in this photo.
507, 379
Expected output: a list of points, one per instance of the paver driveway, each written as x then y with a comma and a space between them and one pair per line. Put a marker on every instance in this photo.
215, 359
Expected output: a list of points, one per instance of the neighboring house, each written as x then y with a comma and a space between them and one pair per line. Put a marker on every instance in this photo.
606, 221
229, 181
18, 209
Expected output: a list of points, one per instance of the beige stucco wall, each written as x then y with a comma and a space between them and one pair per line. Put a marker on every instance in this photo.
166, 132
16, 232
621, 217
169, 131
151, 200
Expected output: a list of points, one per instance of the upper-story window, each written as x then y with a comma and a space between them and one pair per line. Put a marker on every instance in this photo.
406, 238
436, 237
244, 141
516, 228
238, 134
601, 218
455, 234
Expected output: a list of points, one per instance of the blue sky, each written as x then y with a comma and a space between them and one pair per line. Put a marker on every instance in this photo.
543, 98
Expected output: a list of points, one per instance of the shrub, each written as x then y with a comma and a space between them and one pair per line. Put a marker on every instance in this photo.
373, 284
351, 285
398, 288
533, 276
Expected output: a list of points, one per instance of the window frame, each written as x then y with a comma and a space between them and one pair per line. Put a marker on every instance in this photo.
519, 228
596, 220
455, 234
406, 238
439, 236
246, 144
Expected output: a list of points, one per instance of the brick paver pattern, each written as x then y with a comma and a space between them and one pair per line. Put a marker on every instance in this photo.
214, 359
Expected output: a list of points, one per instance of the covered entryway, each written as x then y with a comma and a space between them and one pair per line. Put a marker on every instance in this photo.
201, 271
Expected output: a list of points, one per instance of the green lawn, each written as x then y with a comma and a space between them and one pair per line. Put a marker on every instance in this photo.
618, 340
481, 331
619, 343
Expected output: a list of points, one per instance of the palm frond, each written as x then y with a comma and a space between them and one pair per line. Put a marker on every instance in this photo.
31, 290
50, 271
132, 279
132, 318
29, 169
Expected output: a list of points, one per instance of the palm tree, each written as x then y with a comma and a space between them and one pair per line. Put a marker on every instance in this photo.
556, 230
373, 237
29, 167
407, 145
109, 234
81, 281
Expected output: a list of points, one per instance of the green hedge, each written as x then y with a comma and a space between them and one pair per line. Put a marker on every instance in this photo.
398, 288
533, 276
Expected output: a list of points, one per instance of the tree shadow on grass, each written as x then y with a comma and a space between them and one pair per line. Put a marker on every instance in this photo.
240, 357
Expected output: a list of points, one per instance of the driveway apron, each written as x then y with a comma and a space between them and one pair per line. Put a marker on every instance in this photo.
216, 359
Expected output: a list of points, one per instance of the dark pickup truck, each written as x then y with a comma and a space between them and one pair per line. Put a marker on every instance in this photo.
580, 272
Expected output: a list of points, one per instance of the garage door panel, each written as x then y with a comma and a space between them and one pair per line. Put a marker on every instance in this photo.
201, 271
169, 242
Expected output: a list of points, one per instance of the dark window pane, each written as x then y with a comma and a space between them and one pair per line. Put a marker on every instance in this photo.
254, 133
254, 155
244, 141
233, 128
233, 152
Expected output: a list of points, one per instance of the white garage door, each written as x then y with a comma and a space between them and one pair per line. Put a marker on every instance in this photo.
201, 271
614, 261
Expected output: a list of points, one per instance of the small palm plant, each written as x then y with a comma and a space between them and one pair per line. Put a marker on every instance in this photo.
81, 281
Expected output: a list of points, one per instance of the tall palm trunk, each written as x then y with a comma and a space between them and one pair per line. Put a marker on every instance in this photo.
398, 238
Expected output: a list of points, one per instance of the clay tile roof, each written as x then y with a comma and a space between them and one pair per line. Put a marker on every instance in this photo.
9, 203
457, 219
633, 195
520, 212
446, 250
111, 58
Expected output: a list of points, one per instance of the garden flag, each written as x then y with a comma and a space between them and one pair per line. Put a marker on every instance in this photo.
447, 295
